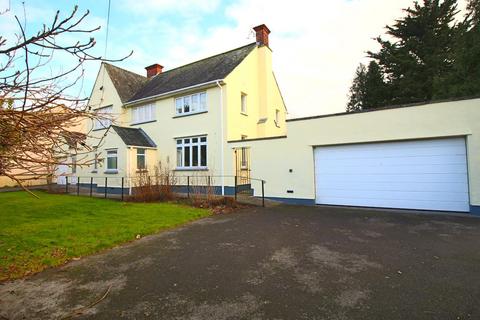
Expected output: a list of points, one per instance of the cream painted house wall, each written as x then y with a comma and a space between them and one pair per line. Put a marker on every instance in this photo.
272, 159
254, 77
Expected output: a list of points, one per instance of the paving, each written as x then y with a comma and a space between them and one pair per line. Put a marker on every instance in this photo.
282, 262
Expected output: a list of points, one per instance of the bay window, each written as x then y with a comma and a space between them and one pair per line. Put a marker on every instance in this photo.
193, 103
192, 153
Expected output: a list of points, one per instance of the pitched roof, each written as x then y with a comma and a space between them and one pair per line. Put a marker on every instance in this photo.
126, 83
134, 137
213, 68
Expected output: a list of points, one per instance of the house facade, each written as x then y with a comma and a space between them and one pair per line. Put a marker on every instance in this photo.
182, 119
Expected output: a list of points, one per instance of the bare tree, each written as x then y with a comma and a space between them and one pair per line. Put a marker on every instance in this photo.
41, 122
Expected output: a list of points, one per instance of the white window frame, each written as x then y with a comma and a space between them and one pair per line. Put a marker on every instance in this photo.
104, 123
112, 153
189, 143
144, 155
191, 104
143, 113
243, 103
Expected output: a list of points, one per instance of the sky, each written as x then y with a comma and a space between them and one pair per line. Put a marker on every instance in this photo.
316, 45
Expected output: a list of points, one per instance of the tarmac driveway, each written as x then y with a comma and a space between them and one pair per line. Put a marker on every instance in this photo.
276, 263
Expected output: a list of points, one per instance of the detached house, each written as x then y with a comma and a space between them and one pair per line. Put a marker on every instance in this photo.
183, 118
224, 117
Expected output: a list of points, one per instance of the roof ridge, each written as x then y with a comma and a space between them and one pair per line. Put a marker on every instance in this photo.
125, 70
206, 58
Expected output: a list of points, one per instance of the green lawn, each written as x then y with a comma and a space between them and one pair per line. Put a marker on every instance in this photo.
39, 233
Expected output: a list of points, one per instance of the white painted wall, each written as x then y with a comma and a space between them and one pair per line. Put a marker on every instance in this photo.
273, 159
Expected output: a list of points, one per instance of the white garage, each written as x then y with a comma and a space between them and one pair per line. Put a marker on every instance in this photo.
417, 174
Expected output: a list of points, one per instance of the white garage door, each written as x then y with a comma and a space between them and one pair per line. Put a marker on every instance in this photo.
420, 174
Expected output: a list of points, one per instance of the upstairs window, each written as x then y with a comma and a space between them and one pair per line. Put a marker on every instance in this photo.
192, 153
193, 103
141, 163
243, 103
105, 118
143, 113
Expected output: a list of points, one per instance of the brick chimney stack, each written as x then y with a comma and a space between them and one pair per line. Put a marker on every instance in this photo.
262, 33
153, 70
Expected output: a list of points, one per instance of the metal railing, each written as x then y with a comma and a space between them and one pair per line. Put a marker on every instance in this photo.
189, 185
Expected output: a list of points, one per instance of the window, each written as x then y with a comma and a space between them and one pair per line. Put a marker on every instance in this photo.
243, 108
192, 152
244, 158
95, 163
105, 118
277, 118
141, 164
143, 113
191, 104
112, 160
74, 164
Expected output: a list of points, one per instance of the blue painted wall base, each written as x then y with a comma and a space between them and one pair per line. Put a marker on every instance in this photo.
475, 210
297, 201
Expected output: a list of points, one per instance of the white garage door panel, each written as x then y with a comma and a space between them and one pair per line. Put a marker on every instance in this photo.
423, 174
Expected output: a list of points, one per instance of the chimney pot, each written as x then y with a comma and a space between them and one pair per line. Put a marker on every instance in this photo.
153, 70
262, 33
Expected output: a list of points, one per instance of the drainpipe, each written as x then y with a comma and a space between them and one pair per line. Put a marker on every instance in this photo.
221, 139
127, 158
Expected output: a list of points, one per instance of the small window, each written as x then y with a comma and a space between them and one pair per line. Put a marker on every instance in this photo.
244, 158
193, 103
243, 101
74, 164
104, 118
141, 163
277, 118
112, 160
192, 153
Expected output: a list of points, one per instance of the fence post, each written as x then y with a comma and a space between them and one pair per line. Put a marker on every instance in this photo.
78, 186
106, 187
66, 184
263, 193
91, 186
188, 186
235, 188
122, 188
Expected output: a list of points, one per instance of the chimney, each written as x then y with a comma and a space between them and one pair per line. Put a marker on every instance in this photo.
153, 70
262, 34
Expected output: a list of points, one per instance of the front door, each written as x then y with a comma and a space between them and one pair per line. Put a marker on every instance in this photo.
242, 167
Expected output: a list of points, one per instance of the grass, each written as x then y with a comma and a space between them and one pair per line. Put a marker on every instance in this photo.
40, 233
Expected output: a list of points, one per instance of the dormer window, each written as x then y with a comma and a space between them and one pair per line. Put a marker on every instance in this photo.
194, 103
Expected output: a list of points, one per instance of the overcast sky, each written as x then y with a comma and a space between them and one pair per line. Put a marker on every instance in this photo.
316, 45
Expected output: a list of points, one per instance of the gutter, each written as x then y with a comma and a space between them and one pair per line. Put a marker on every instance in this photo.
221, 139
169, 93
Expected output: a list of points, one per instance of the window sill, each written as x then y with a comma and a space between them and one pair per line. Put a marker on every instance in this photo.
93, 171
189, 114
111, 171
138, 123
192, 169
244, 114
141, 170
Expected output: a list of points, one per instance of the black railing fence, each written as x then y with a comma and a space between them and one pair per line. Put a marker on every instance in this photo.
186, 185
